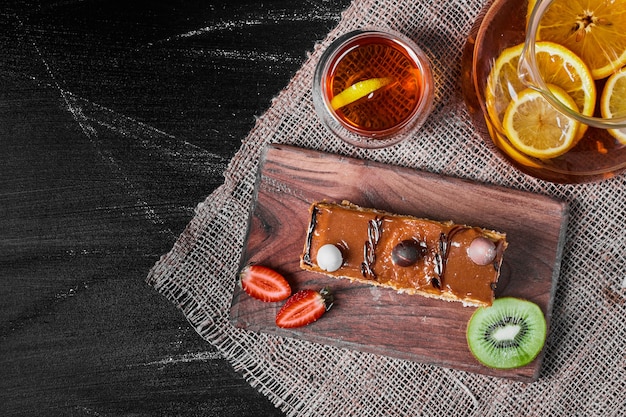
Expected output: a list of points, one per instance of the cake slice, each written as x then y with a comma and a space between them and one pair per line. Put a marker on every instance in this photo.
435, 259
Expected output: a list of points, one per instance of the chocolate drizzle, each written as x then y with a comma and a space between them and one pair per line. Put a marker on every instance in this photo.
306, 257
374, 227
499, 251
441, 257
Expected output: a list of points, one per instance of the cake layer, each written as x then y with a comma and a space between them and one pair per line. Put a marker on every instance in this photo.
436, 259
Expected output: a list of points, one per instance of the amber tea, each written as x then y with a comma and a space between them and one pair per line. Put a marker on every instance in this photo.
372, 87
387, 103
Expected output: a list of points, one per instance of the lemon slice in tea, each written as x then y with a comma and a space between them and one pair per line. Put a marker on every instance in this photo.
536, 128
359, 90
503, 143
613, 101
557, 65
595, 30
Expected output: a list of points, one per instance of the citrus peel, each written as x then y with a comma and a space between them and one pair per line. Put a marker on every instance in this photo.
359, 90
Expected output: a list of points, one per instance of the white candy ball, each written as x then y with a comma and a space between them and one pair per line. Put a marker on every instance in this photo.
329, 258
482, 251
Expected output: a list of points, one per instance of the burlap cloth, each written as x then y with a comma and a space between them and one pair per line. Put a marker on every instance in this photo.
584, 371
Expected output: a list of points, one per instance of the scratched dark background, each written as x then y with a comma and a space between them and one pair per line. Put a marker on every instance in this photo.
116, 119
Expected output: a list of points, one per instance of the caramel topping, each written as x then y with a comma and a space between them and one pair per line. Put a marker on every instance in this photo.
367, 239
463, 277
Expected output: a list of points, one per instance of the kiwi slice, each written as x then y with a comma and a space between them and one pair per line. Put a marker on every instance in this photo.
508, 334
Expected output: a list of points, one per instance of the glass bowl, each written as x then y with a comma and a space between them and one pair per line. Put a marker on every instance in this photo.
595, 153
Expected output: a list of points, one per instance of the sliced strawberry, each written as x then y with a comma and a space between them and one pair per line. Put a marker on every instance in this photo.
304, 307
264, 283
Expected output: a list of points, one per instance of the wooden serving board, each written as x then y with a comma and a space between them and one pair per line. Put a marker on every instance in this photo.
379, 320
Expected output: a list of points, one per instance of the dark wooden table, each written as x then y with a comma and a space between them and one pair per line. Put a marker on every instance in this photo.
116, 119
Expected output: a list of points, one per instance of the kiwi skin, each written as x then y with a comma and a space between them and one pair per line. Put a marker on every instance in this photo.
508, 334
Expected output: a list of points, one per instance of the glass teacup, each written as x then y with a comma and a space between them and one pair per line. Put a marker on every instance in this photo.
373, 88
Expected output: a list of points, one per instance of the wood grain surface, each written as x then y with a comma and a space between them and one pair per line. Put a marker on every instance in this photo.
380, 320
116, 119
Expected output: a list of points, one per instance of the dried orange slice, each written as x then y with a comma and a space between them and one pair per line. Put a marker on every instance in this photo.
613, 101
595, 30
536, 128
359, 90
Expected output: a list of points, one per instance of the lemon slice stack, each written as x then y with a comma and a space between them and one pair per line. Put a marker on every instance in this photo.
570, 79
577, 43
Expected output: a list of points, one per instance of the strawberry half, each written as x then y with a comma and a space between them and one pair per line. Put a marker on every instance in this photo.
264, 283
304, 307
